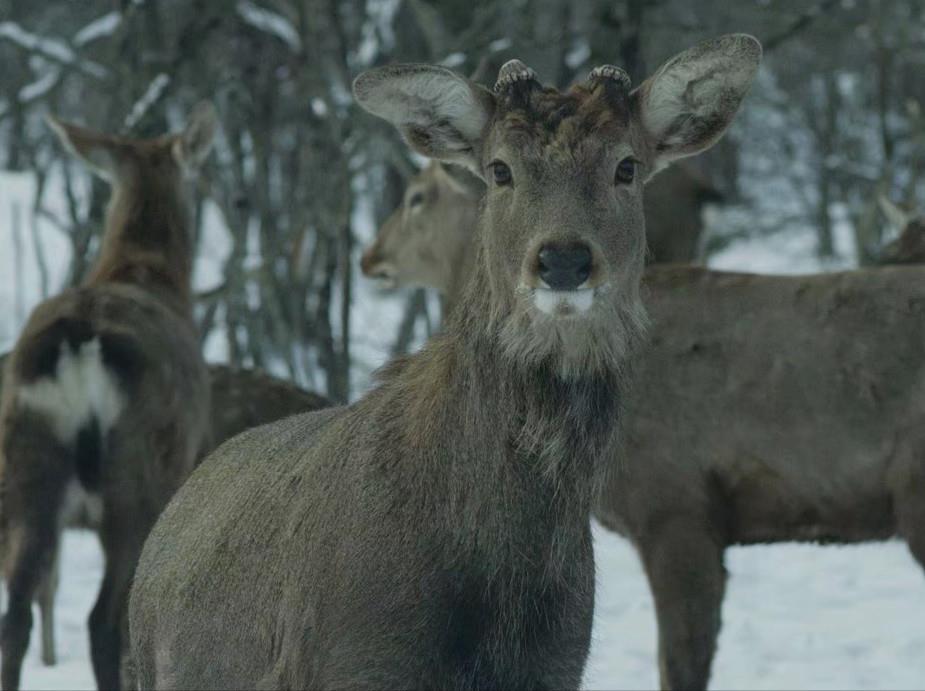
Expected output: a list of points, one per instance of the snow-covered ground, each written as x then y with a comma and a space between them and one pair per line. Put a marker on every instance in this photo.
796, 616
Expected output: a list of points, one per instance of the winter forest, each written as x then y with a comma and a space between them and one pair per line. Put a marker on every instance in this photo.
821, 171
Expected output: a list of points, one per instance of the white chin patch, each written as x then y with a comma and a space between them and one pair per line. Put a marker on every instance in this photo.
563, 302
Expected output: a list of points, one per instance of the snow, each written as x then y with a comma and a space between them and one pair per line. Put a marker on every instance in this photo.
453, 60
270, 22
378, 31
578, 54
795, 617
98, 28
500, 44
39, 87
215, 248
81, 575
149, 97
50, 47
20, 282
787, 253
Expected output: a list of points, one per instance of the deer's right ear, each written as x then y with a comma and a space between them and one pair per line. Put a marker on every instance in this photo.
93, 148
690, 101
441, 114
193, 145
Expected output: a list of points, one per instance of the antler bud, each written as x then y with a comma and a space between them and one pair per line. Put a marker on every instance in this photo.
512, 72
612, 73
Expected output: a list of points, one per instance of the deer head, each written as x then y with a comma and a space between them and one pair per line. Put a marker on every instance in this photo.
421, 242
561, 233
146, 224
115, 159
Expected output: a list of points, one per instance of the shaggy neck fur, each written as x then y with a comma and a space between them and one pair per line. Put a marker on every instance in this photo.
508, 449
147, 240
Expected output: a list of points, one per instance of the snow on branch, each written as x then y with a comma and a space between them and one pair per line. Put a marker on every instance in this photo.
151, 95
40, 87
51, 48
98, 28
270, 22
34, 91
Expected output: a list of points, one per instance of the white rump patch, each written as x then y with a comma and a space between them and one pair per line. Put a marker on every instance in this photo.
563, 302
81, 389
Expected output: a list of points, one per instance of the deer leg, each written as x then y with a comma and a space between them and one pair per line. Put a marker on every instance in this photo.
35, 546
910, 517
109, 619
48, 589
684, 564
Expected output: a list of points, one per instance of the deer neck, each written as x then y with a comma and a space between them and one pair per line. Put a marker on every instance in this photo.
147, 242
462, 263
458, 275
498, 438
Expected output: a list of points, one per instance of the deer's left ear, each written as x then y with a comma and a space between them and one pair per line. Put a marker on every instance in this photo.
193, 145
690, 101
441, 114
95, 149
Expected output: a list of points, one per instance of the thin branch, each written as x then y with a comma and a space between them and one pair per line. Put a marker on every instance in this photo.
52, 49
798, 25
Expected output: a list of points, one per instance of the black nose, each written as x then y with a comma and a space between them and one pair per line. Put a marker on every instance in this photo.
564, 267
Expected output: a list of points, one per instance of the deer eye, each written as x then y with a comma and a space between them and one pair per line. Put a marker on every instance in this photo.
415, 199
500, 173
626, 171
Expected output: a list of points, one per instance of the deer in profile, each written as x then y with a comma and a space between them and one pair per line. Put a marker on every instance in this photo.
769, 409
426, 240
435, 534
106, 397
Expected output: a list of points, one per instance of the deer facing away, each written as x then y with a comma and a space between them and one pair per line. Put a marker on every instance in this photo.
745, 424
435, 534
240, 399
105, 399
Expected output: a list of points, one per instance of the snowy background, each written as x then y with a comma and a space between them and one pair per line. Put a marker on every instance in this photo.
795, 616
834, 120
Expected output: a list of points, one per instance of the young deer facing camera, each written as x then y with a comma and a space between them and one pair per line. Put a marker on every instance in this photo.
106, 397
768, 410
435, 534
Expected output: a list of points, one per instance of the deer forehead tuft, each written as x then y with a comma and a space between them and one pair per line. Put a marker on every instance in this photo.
553, 117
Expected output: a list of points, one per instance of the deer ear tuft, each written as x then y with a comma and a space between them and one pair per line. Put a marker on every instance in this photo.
98, 151
689, 102
441, 114
193, 145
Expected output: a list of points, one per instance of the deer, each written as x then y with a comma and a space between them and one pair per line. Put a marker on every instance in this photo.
425, 241
776, 409
240, 399
105, 407
436, 532
243, 398
705, 464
